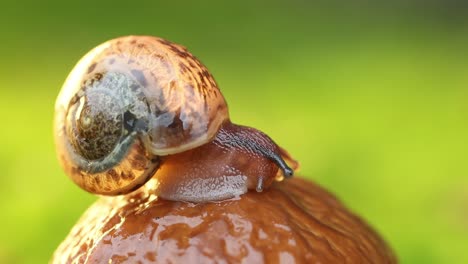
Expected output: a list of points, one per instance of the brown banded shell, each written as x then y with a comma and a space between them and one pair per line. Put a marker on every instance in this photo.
128, 101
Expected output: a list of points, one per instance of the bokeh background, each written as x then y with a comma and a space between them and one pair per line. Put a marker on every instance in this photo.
370, 96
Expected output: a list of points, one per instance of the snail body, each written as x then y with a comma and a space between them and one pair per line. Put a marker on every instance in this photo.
140, 107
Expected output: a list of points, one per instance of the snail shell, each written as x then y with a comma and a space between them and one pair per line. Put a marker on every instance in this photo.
128, 101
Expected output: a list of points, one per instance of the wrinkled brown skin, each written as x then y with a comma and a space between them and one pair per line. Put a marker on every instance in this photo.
293, 221
212, 171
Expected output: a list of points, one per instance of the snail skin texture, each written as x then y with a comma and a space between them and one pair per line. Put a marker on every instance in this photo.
139, 107
295, 221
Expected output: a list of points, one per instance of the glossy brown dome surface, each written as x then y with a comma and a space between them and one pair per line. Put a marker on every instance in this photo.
293, 221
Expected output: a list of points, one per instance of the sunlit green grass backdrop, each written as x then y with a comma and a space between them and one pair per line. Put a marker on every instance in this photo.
371, 99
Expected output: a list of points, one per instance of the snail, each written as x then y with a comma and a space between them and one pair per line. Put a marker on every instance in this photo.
140, 107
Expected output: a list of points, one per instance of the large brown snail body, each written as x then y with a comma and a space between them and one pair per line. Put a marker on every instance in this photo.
140, 107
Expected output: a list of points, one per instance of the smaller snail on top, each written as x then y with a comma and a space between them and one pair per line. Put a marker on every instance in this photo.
141, 107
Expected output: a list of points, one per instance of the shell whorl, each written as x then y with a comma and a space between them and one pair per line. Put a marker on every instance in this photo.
174, 98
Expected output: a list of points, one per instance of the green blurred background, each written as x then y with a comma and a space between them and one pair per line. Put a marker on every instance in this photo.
371, 98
